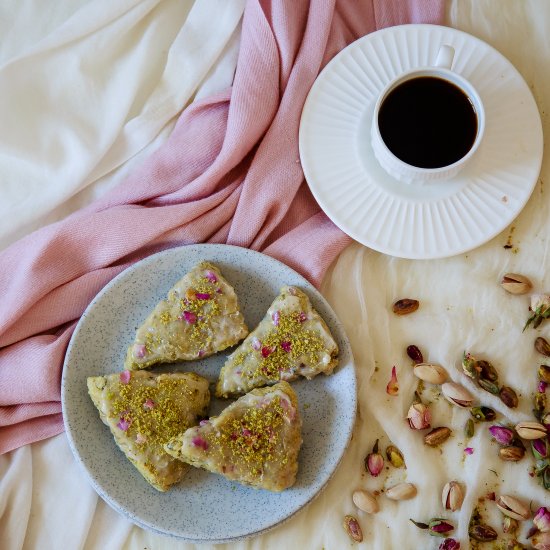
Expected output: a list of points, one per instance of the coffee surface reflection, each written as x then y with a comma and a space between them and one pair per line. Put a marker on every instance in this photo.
428, 122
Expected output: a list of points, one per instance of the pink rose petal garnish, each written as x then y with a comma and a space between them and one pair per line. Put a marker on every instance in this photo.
276, 315
123, 423
140, 351
256, 344
190, 317
211, 276
246, 432
393, 387
542, 386
125, 376
204, 422
286, 345
202, 296
140, 439
302, 317
219, 291
201, 353
198, 441
266, 351
469, 451
149, 404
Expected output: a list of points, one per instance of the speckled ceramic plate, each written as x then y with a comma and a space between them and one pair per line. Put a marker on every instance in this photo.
204, 507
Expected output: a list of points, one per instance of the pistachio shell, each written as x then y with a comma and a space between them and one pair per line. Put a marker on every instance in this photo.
401, 491
530, 430
365, 501
513, 507
434, 374
452, 496
514, 283
457, 394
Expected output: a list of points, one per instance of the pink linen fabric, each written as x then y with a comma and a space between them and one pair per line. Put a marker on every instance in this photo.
229, 173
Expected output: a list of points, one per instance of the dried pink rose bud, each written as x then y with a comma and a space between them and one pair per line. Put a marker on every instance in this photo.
419, 416
286, 345
198, 441
449, 544
189, 317
540, 448
211, 276
439, 527
393, 386
140, 351
149, 404
502, 435
276, 316
266, 351
542, 519
374, 462
125, 376
202, 296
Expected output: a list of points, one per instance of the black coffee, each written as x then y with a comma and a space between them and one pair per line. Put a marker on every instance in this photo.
428, 122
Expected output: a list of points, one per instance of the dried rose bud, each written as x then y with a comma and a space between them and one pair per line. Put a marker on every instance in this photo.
540, 448
509, 397
415, 354
541, 541
419, 416
542, 519
449, 544
439, 527
374, 463
502, 435
393, 385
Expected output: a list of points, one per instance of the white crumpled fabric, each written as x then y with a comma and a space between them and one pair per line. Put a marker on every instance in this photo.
46, 501
85, 86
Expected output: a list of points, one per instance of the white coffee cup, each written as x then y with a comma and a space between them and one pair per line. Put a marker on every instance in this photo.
404, 171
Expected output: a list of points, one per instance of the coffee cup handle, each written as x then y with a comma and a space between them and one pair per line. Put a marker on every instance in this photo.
445, 57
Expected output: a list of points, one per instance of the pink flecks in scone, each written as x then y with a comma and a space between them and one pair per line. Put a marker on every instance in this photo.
140, 351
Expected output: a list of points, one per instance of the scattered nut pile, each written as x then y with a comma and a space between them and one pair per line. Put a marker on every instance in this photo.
512, 440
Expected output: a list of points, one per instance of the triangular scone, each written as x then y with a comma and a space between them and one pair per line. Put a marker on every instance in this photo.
200, 317
291, 340
144, 411
255, 440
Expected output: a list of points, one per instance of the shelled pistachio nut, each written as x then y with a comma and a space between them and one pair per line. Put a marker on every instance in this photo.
531, 430
483, 414
452, 496
511, 454
457, 394
482, 532
401, 491
514, 283
542, 346
544, 373
395, 456
353, 529
365, 501
513, 507
434, 374
437, 436
509, 397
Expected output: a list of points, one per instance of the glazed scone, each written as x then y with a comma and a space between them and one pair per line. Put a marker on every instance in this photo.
144, 411
291, 340
255, 440
200, 317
